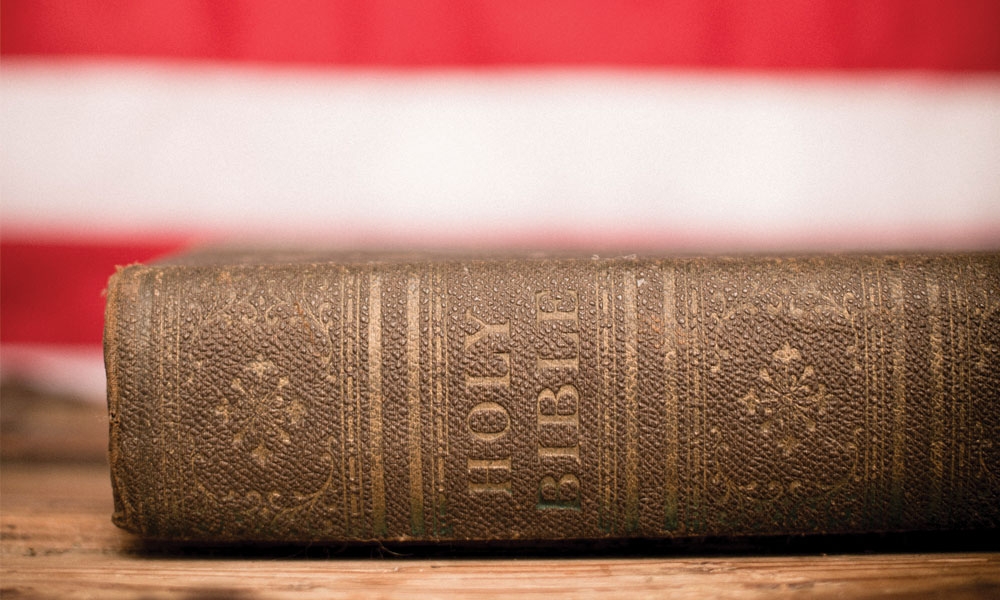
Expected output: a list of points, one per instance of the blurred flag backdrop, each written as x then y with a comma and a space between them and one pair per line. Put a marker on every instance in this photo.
130, 129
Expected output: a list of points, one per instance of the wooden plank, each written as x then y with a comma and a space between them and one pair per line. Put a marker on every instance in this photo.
38, 425
57, 541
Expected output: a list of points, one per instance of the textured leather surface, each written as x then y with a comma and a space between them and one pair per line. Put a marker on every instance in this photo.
548, 399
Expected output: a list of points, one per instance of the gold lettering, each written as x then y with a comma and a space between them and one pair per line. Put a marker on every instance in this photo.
556, 314
559, 408
573, 419
488, 422
561, 494
485, 329
492, 380
483, 433
547, 309
500, 483
563, 363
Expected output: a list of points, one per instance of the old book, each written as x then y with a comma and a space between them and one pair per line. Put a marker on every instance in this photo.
302, 398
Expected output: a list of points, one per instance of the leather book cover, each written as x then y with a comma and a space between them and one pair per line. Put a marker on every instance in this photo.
289, 397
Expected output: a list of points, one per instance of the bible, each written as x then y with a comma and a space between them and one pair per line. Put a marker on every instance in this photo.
288, 397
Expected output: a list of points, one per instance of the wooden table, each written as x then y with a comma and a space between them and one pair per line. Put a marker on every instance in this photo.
57, 540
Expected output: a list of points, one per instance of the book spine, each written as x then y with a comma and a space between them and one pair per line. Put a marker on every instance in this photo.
555, 399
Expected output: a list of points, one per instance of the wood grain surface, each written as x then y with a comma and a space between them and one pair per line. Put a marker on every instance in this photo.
58, 541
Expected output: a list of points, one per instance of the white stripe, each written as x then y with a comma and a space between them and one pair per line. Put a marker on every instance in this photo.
485, 155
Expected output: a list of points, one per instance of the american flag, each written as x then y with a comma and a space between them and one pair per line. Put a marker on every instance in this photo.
130, 129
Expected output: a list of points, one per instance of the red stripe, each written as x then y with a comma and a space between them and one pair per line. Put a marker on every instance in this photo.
52, 293
753, 34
